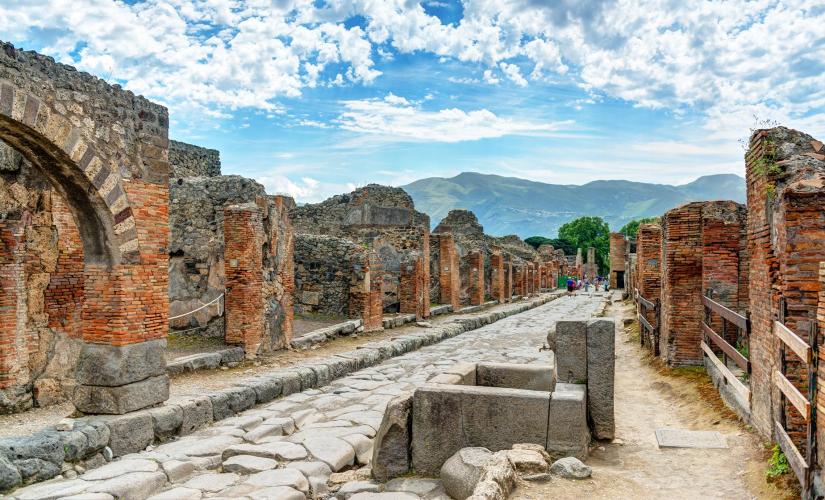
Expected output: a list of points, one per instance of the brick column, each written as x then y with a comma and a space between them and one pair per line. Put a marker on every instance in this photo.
498, 278
617, 258
412, 284
243, 234
681, 260
649, 273
449, 279
476, 280
508, 278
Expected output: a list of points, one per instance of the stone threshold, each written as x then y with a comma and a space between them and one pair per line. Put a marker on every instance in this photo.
92, 441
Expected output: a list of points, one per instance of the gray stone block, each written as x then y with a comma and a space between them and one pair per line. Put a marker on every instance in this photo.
466, 373
9, 475
97, 434
232, 355
567, 430
515, 376
498, 418
228, 402
436, 428
166, 421
130, 433
45, 445
307, 376
75, 445
391, 448
601, 362
322, 373
36, 469
197, 412
97, 399
571, 351
266, 389
290, 382
106, 365
464, 470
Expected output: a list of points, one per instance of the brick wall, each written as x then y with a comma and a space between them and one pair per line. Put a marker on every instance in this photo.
648, 272
508, 277
13, 348
476, 290
681, 285
243, 226
64, 295
786, 227
618, 249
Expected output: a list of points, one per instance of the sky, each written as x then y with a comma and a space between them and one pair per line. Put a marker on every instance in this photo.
315, 98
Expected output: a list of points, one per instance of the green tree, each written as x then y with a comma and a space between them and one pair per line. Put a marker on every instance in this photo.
537, 241
587, 232
632, 228
566, 245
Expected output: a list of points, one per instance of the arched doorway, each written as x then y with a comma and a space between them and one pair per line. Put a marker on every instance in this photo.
104, 150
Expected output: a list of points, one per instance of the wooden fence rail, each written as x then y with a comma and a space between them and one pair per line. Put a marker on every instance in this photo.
712, 338
803, 403
647, 329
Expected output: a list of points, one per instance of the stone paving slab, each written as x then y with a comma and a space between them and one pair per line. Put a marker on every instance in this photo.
683, 438
333, 425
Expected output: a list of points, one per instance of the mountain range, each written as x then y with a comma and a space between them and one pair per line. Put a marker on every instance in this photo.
509, 205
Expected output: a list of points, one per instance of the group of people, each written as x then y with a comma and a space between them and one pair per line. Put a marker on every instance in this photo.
574, 284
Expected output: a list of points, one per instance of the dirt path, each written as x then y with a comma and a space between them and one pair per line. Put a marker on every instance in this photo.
633, 466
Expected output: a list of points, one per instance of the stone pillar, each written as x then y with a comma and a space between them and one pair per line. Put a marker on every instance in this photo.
498, 276
476, 281
591, 269
242, 232
618, 250
449, 277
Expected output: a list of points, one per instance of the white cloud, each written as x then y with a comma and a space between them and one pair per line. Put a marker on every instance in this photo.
397, 119
728, 60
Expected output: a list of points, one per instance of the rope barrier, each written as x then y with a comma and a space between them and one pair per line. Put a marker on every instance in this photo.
219, 297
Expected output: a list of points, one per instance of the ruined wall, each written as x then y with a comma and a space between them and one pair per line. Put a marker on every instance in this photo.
105, 151
380, 217
187, 160
648, 279
618, 252
449, 280
498, 276
327, 271
196, 246
41, 269
702, 248
476, 279
786, 226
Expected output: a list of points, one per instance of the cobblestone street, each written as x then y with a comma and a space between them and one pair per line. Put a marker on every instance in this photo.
304, 444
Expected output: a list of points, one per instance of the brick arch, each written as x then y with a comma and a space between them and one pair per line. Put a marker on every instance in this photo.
80, 173
105, 150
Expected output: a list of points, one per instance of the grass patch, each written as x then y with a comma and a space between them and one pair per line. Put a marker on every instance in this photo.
778, 464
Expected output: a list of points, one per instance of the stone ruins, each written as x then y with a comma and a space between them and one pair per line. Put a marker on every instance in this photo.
116, 240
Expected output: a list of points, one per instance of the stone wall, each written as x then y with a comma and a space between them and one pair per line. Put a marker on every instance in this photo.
327, 272
381, 218
187, 160
196, 246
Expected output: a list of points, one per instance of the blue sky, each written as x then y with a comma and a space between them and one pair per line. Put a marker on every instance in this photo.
315, 98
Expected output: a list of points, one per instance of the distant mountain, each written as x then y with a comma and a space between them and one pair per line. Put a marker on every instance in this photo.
509, 205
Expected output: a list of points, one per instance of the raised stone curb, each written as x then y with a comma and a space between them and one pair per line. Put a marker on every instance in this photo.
206, 361
321, 335
92, 441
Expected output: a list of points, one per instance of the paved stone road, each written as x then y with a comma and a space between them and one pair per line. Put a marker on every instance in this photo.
297, 446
